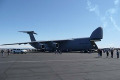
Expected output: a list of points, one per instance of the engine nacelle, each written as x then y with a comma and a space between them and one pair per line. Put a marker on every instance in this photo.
41, 46
55, 45
48, 47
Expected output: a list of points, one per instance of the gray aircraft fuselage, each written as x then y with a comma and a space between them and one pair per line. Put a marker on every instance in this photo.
76, 44
72, 45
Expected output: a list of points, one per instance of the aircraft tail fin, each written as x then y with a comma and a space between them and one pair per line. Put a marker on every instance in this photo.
97, 34
30, 34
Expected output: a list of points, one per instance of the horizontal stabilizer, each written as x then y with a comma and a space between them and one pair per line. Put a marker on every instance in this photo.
29, 32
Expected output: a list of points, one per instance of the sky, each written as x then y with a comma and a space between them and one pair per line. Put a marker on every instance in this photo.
59, 19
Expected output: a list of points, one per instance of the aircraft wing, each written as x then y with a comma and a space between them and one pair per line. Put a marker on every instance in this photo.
38, 42
17, 43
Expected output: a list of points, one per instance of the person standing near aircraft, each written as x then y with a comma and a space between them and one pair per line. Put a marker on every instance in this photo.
60, 52
107, 53
8, 52
56, 51
98, 52
111, 53
2, 51
117, 52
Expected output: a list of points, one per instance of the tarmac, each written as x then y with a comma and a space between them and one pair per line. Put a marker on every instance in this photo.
66, 66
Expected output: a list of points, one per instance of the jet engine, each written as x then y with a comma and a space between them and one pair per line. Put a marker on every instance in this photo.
55, 45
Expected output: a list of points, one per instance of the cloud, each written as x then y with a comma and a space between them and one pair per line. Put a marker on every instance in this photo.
114, 23
93, 8
107, 18
111, 11
116, 2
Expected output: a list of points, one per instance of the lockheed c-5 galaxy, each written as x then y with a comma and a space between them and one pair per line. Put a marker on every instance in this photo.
74, 44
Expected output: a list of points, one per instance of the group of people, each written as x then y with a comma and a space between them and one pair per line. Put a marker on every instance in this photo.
3, 52
112, 51
58, 51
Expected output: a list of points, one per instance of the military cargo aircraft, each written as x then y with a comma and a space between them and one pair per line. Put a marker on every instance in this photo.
74, 44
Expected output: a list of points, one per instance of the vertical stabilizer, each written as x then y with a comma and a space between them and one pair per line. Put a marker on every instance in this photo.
30, 34
97, 34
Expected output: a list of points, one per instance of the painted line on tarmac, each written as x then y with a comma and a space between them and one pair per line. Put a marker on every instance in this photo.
47, 61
